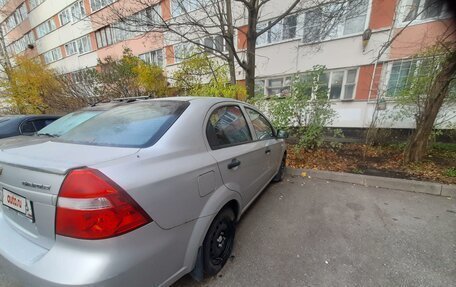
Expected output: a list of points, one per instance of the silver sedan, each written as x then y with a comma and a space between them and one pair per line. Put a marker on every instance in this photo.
138, 195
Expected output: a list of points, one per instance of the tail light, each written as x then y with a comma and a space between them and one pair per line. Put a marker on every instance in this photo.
92, 206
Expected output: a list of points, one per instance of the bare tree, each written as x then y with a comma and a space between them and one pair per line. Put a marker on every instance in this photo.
194, 20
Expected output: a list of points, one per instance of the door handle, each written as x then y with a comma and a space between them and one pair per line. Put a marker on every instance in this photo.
234, 163
267, 151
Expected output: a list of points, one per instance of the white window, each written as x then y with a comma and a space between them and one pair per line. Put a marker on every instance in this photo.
99, 4
279, 86
35, 3
153, 57
179, 7
65, 17
22, 44
423, 9
73, 13
183, 51
399, 73
71, 48
259, 87
46, 27
284, 30
16, 18
104, 37
52, 55
3, 2
320, 23
342, 84
214, 43
83, 44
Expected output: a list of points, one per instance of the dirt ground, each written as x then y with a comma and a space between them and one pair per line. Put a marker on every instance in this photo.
439, 165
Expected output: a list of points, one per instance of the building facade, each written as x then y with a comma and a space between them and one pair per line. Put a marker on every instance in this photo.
71, 35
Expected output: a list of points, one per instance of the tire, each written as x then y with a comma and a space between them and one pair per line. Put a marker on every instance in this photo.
281, 173
219, 242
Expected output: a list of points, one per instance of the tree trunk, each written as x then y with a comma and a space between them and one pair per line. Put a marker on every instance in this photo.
229, 18
417, 147
251, 46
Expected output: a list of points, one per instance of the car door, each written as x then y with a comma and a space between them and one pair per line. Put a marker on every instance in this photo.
264, 133
240, 160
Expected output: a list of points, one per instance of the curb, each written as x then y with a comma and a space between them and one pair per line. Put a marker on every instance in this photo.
447, 190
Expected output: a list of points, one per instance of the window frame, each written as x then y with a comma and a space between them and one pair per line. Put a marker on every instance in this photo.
208, 118
274, 132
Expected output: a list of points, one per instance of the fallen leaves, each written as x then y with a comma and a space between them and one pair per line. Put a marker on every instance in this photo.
373, 160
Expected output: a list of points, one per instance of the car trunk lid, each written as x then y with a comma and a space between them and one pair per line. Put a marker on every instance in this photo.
31, 177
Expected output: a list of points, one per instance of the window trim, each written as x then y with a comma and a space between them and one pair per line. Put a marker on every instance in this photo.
274, 132
208, 117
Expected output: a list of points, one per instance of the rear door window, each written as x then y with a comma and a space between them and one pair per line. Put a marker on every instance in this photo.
227, 127
263, 129
133, 125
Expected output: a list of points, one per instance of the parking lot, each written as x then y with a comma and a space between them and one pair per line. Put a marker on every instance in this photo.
309, 232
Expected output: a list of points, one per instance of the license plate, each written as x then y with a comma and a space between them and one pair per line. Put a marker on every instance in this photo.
18, 203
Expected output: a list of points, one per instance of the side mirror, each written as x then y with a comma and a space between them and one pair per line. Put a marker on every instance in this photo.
281, 134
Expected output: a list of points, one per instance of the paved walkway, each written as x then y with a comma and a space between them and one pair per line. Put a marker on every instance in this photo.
310, 232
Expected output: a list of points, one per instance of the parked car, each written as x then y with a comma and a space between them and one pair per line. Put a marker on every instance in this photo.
61, 125
139, 195
23, 124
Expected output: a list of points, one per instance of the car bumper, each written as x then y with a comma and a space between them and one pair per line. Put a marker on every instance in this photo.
149, 256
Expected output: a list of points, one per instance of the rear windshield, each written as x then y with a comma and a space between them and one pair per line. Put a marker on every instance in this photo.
68, 122
133, 125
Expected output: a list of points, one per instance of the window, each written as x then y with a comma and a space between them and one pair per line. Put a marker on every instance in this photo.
214, 43
46, 27
261, 125
52, 55
99, 4
71, 48
68, 122
279, 86
73, 13
65, 17
180, 7
16, 18
35, 3
325, 23
227, 126
355, 18
182, 51
284, 30
83, 44
338, 84
104, 37
312, 25
342, 84
398, 76
136, 125
21, 44
259, 87
153, 57
422, 9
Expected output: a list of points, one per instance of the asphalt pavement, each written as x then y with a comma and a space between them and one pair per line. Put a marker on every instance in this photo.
311, 232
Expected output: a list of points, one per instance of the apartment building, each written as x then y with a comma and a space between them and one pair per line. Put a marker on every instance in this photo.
71, 35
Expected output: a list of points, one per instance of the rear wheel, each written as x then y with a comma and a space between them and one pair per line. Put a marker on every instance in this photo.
219, 242
281, 173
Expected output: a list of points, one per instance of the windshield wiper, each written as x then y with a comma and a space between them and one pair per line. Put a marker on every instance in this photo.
46, 134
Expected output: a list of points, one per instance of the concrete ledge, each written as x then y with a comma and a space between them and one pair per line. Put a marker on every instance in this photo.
378, 181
